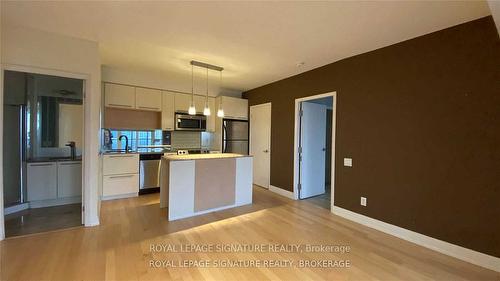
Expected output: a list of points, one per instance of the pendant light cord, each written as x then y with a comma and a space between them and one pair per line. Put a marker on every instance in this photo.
207, 89
192, 85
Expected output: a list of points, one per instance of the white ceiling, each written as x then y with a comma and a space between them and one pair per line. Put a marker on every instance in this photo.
256, 42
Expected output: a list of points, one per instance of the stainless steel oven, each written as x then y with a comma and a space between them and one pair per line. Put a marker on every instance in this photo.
184, 122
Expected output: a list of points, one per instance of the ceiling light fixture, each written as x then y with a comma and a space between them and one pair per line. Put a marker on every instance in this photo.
220, 111
206, 110
192, 109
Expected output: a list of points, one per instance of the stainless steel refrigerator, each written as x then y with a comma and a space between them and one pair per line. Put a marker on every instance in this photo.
235, 136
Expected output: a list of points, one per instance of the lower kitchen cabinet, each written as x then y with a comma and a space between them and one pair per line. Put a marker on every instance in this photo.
41, 181
69, 179
115, 185
120, 176
126, 163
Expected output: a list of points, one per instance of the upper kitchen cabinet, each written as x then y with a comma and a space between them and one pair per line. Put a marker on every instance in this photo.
119, 96
168, 111
234, 108
182, 102
199, 103
148, 99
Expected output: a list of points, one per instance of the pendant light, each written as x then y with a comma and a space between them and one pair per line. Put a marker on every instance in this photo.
192, 109
206, 110
220, 111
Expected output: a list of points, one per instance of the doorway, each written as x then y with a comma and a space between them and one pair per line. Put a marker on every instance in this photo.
314, 149
42, 152
260, 143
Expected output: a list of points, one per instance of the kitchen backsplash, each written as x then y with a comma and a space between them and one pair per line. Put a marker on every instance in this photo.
179, 139
186, 139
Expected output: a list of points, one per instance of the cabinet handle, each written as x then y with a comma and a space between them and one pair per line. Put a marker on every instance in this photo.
125, 176
41, 165
147, 107
119, 105
69, 164
118, 156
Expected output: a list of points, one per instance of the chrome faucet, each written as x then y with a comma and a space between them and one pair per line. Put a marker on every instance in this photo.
126, 142
72, 146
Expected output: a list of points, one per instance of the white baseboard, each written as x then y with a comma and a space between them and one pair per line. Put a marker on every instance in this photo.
443, 247
92, 222
282, 192
120, 196
55, 202
16, 208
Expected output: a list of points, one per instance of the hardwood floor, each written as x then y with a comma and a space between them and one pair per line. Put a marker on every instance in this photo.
323, 200
119, 249
43, 219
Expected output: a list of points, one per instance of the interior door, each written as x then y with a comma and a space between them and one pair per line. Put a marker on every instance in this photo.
260, 143
313, 143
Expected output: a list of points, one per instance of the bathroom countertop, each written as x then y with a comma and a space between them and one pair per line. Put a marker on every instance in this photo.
52, 159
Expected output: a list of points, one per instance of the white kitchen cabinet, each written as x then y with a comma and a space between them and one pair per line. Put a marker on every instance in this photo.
182, 102
199, 103
234, 108
69, 179
120, 175
41, 181
114, 164
148, 99
168, 111
116, 185
213, 115
119, 96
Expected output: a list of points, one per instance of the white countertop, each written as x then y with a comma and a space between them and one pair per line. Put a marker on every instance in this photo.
203, 156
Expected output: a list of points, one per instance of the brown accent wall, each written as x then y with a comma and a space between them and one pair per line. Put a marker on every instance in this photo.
421, 120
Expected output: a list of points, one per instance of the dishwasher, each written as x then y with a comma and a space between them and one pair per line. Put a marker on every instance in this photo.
149, 172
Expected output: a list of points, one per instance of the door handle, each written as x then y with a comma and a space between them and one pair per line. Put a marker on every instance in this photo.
41, 165
265, 151
120, 105
124, 176
148, 107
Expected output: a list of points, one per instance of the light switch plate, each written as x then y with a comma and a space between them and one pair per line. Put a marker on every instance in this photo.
363, 201
348, 162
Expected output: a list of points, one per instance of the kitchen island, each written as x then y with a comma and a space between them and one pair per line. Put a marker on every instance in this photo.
196, 184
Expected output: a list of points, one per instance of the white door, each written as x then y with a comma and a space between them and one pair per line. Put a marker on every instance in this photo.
260, 143
313, 143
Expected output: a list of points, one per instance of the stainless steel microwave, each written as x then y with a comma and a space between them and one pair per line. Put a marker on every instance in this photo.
184, 122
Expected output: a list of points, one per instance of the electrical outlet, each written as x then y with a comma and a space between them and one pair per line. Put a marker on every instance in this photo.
363, 201
347, 162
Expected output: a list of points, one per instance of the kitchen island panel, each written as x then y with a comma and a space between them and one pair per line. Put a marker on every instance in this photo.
244, 180
214, 183
181, 189
216, 186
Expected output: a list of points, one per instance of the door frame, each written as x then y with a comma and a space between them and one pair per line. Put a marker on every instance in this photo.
297, 139
86, 130
270, 132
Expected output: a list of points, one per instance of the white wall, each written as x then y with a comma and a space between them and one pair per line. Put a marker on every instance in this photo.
495, 12
26, 49
168, 81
